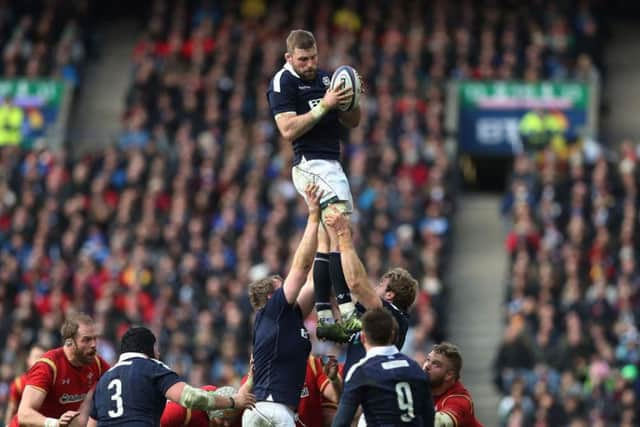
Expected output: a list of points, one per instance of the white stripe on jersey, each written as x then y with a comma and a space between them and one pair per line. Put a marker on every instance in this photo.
387, 350
276, 81
290, 69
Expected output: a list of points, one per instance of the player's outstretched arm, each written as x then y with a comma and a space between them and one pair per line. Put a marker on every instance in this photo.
306, 298
353, 269
196, 398
292, 126
306, 251
29, 415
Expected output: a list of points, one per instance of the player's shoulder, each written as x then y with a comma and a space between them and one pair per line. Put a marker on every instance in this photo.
54, 354
458, 389
457, 394
52, 358
283, 77
394, 309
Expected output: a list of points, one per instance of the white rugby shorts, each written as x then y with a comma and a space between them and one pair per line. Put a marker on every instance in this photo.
269, 414
328, 175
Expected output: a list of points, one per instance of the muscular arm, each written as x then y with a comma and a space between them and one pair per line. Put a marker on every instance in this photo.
305, 253
307, 296
292, 126
32, 400
354, 272
196, 398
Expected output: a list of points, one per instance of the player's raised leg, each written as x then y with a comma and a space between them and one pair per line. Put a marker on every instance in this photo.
327, 328
350, 321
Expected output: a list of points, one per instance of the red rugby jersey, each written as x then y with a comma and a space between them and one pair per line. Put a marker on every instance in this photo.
311, 398
65, 385
458, 404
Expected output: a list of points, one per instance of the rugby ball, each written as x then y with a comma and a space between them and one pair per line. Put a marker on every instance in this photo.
346, 76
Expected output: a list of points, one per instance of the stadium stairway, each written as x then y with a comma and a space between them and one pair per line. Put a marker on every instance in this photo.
96, 117
622, 61
476, 291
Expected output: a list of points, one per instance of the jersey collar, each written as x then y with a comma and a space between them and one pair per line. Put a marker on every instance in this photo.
290, 69
386, 350
131, 355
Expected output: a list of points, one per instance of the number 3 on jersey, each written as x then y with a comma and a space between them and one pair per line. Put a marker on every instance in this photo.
117, 397
405, 401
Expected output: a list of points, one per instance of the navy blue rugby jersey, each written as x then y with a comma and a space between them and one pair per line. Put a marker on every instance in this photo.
132, 392
355, 349
281, 347
392, 389
288, 92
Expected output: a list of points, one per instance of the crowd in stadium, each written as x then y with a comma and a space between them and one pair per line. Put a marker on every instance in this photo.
195, 199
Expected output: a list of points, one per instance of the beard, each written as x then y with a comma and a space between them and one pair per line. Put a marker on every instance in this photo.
436, 382
85, 357
308, 74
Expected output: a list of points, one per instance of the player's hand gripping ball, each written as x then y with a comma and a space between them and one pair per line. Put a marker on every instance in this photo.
346, 76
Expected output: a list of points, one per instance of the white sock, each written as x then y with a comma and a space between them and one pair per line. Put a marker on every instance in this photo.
325, 317
347, 309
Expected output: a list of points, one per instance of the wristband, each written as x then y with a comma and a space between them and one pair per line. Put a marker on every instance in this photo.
233, 402
319, 110
50, 422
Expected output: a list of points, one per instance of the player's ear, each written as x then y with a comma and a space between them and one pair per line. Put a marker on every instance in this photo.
363, 337
389, 295
450, 375
68, 342
287, 56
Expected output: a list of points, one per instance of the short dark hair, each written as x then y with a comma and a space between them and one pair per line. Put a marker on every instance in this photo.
404, 287
379, 326
71, 324
138, 340
301, 39
452, 353
260, 290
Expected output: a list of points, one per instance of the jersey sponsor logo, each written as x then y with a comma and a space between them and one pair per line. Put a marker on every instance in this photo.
314, 102
303, 87
305, 392
326, 81
66, 381
395, 364
71, 398
304, 333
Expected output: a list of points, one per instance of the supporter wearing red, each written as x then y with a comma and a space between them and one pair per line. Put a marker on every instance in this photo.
61, 382
17, 385
453, 402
